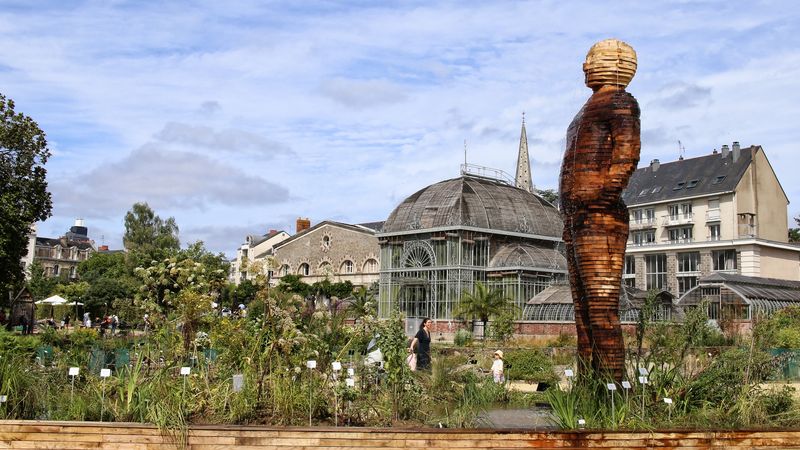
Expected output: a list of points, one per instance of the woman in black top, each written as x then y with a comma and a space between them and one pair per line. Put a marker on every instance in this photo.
422, 341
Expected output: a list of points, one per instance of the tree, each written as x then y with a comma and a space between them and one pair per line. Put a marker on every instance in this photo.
40, 285
551, 195
24, 199
482, 304
794, 233
148, 237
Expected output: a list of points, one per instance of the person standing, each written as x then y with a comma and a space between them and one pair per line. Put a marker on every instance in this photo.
422, 343
497, 367
114, 324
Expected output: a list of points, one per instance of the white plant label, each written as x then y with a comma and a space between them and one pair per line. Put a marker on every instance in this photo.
311, 364
667, 400
569, 373
105, 373
581, 422
350, 382
74, 371
626, 384
238, 382
351, 372
642, 380
3, 398
611, 386
337, 366
643, 372
186, 370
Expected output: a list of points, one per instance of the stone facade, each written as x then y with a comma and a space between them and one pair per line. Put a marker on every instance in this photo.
61, 256
333, 250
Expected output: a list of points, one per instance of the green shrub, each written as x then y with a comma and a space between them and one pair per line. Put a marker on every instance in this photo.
501, 328
530, 365
463, 338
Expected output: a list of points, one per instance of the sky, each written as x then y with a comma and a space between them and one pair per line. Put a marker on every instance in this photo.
239, 117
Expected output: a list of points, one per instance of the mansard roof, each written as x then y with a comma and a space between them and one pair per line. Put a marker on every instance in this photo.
692, 177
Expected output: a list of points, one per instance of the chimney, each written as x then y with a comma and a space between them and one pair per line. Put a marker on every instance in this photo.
273, 231
655, 164
737, 151
302, 224
725, 151
102, 248
714, 152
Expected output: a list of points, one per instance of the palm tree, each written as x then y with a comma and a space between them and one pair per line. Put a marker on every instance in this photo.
362, 303
481, 304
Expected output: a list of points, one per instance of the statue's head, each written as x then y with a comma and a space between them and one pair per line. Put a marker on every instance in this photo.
610, 62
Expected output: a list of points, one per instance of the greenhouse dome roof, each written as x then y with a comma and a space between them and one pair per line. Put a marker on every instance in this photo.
478, 202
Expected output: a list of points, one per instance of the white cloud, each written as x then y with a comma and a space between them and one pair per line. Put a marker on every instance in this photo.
373, 100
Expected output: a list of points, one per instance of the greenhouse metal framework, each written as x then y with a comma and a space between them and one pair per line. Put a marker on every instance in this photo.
443, 239
554, 304
739, 297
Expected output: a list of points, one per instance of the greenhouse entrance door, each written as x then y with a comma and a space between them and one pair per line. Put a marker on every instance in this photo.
415, 298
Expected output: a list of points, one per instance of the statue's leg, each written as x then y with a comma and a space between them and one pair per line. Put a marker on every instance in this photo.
581, 308
600, 250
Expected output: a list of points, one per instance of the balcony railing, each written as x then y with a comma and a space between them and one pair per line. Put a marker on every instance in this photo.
645, 222
713, 215
681, 241
679, 219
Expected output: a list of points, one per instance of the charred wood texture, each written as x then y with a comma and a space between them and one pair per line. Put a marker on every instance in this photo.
603, 143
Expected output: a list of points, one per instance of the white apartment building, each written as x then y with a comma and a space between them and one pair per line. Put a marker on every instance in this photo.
721, 213
255, 249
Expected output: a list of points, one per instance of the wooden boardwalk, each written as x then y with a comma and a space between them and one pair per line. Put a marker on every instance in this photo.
20, 434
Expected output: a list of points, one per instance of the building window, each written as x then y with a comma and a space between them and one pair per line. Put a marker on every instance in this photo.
688, 270
55, 270
348, 267
644, 237
326, 242
72, 272
713, 203
685, 284
656, 271
680, 235
304, 270
325, 268
688, 262
724, 260
284, 270
713, 232
629, 275
644, 215
371, 266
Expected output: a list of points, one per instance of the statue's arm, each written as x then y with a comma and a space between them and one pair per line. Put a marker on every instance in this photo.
626, 137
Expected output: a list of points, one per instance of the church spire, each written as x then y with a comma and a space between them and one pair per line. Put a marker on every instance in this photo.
523, 179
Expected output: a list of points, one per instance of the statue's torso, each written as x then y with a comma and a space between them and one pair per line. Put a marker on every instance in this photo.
602, 151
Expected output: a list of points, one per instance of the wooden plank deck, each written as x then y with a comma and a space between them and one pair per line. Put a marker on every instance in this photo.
24, 434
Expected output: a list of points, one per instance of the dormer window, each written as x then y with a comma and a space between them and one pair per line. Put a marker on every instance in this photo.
679, 186
692, 184
718, 179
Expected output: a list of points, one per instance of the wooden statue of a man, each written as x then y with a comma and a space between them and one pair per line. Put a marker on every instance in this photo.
602, 152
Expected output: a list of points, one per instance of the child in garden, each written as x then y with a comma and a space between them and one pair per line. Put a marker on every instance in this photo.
497, 367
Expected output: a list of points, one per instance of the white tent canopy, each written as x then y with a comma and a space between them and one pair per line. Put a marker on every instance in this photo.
54, 300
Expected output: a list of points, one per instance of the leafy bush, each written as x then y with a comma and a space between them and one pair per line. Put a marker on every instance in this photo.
463, 338
501, 328
530, 365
